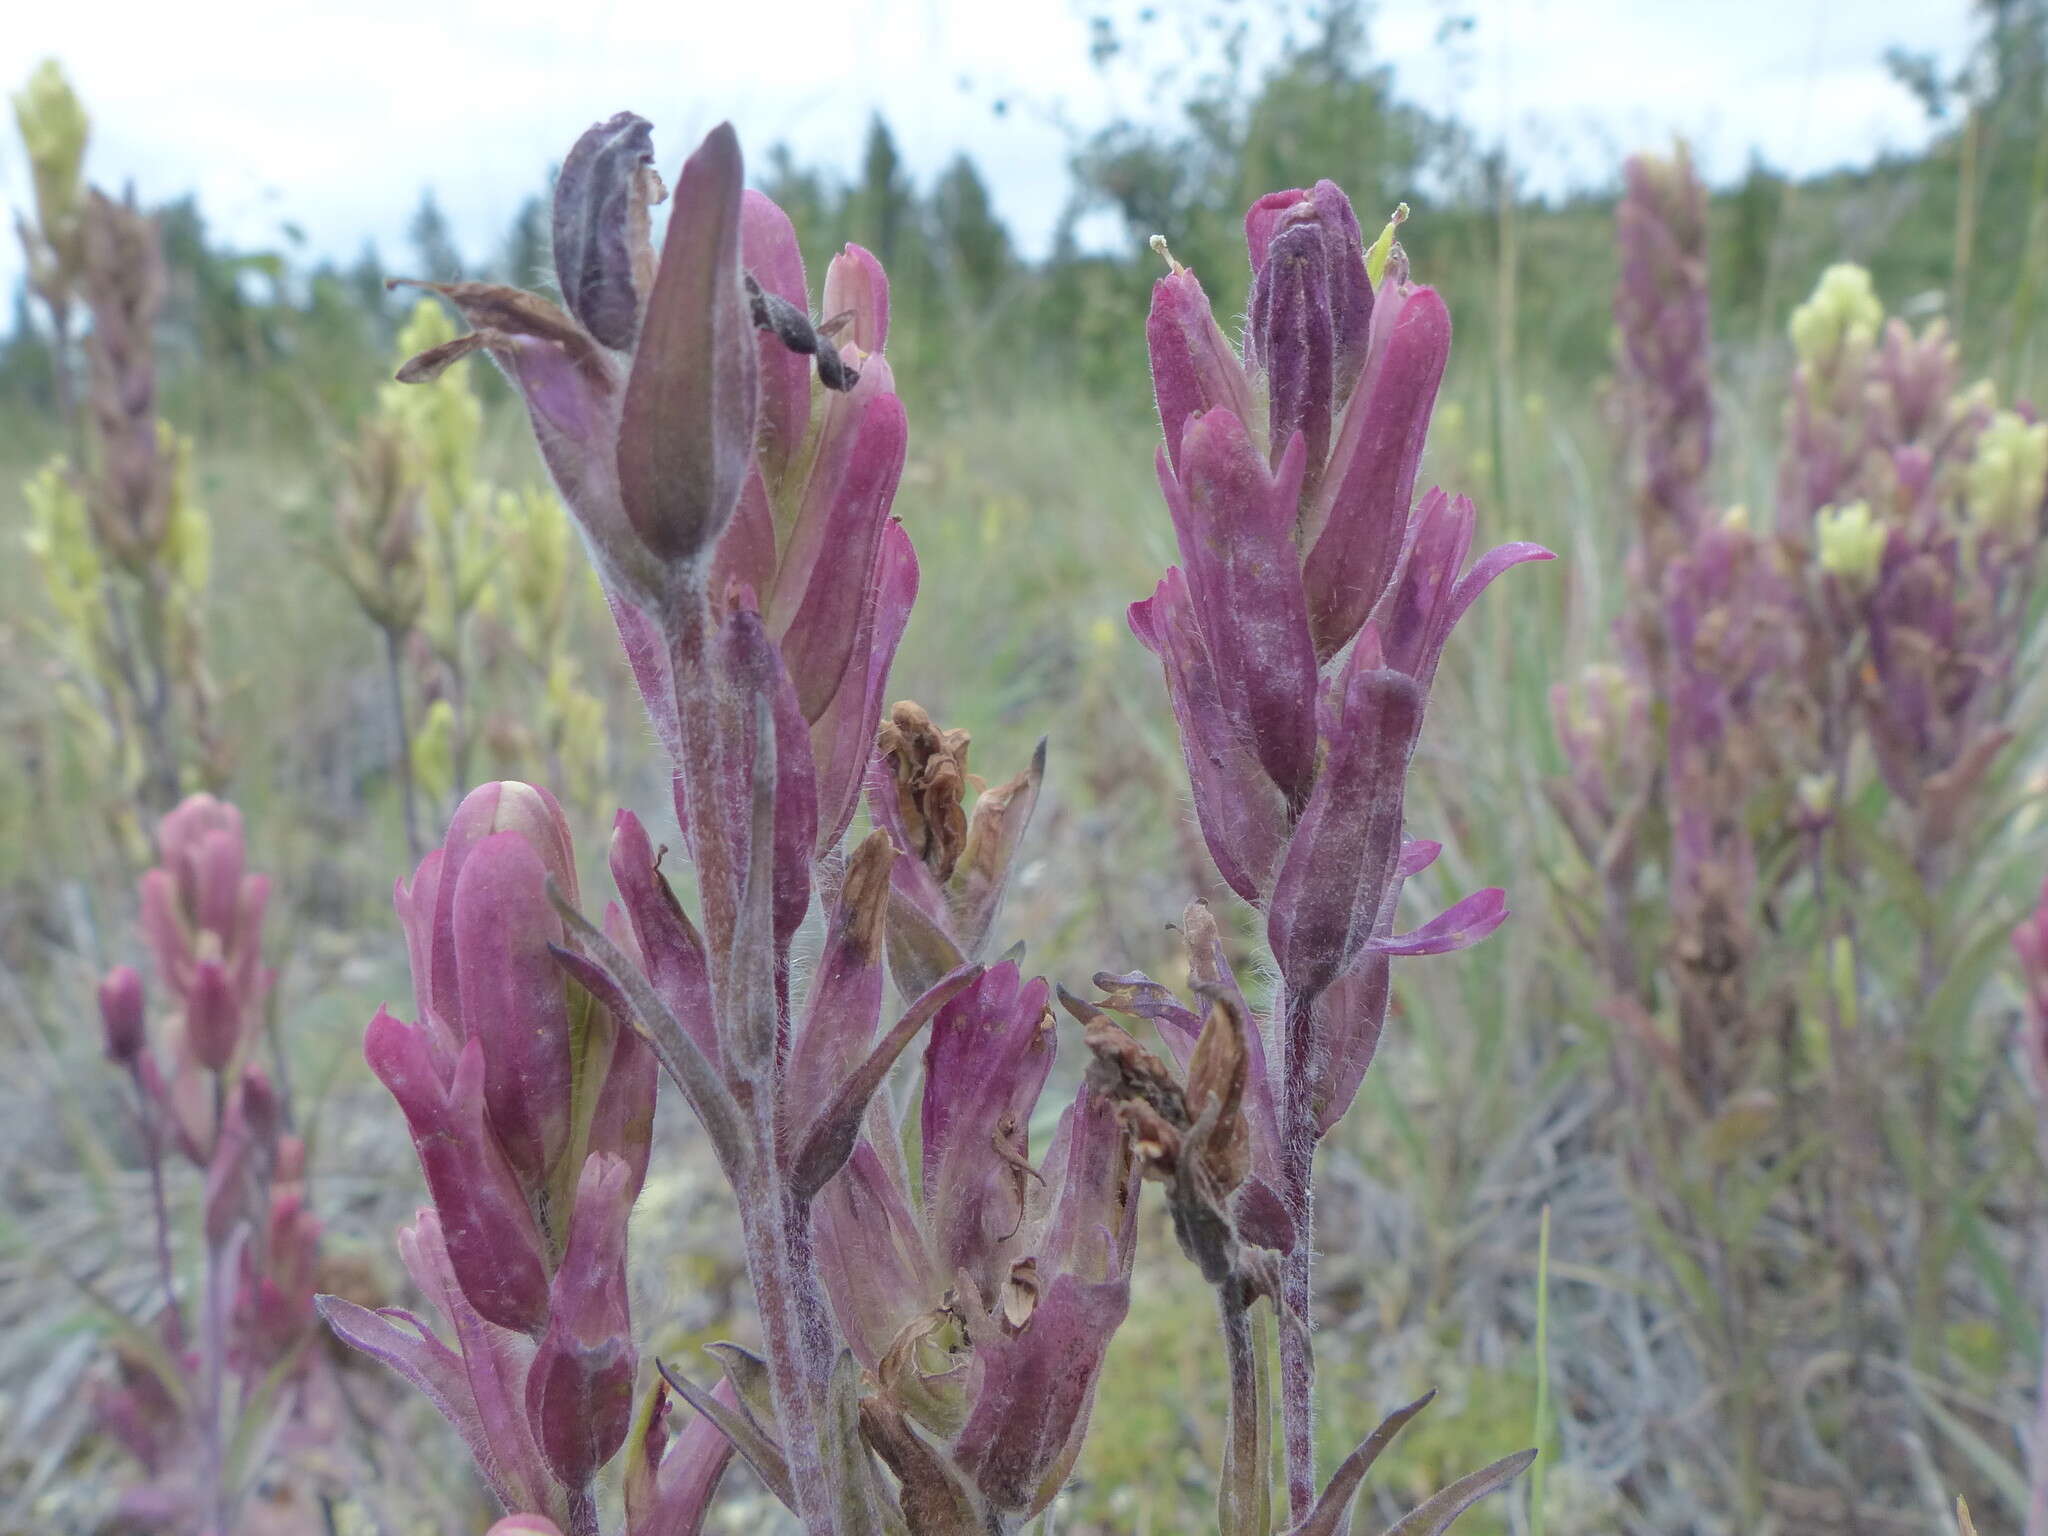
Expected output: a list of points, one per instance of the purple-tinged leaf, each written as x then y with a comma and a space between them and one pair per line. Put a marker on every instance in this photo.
1356, 520
433, 1369
1458, 927
609, 974
829, 1141
990, 1050
1242, 813
872, 1255
687, 1479
601, 226
1431, 596
761, 1453
753, 669
1194, 368
1342, 857
647, 658
845, 1001
857, 287
495, 1361
750, 1018
1331, 1515
1417, 854
769, 250
1033, 1390
1435, 1514
669, 945
843, 738
935, 1497
493, 1246
1236, 526
1350, 1016
846, 508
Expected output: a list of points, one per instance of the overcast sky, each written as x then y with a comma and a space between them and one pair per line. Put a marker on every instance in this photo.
336, 120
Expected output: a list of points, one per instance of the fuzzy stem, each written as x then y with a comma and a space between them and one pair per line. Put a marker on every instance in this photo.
779, 1285
213, 1351
153, 1149
2037, 1452
699, 777
775, 1225
1297, 1166
394, 679
583, 1512
158, 717
1243, 1494
62, 385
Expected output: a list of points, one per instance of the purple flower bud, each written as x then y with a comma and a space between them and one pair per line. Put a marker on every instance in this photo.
579, 1392
213, 1016
200, 902
261, 1110
686, 423
601, 226
123, 1014
514, 1001
1290, 338
1311, 310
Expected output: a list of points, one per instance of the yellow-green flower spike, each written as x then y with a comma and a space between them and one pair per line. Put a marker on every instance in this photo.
1843, 314
2008, 478
1850, 543
54, 131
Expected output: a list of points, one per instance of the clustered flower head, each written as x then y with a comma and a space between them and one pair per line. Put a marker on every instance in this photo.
1879, 609
731, 462
1299, 638
1665, 381
236, 1360
532, 1108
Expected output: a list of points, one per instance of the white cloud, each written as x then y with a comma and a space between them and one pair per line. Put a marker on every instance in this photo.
335, 118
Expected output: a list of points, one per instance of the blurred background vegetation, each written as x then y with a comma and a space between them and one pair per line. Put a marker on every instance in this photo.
1030, 497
